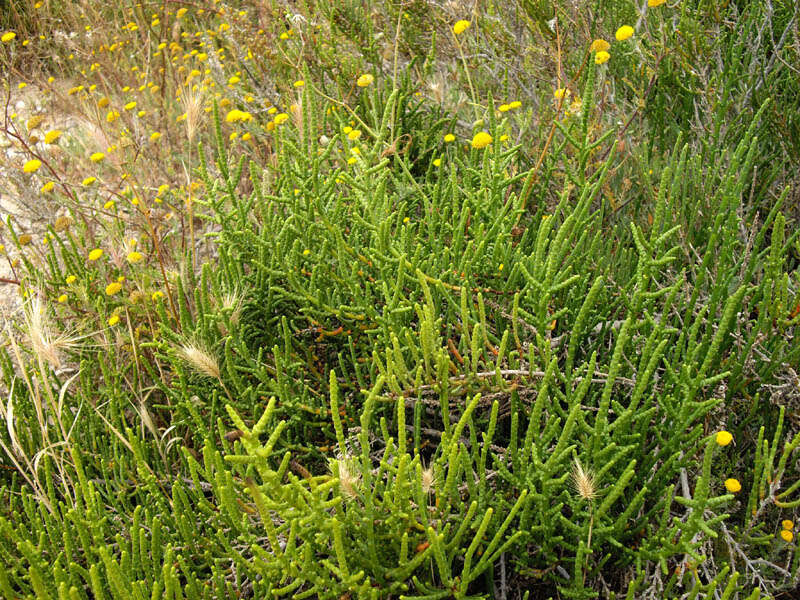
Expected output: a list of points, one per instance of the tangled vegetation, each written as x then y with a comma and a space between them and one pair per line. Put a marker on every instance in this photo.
400, 299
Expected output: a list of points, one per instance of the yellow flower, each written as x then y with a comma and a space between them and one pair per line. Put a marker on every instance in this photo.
654, 3
62, 298
724, 438
460, 27
8, 36
95, 254
130, 105
623, 33
32, 166
109, 204
514, 104
97, 157
112, 116
154, 136
787, 524
481, 140
733, 485
181, 12
156, 295
70, 279
113, 287
601, 57
561, 93
103, 102
135, 257
51, 137
599, 45
787, 535
280, 118
449, 138
234, 80
437, 162
299, 83
89, 181
47, 187
236, 115
365, 80
504, 108
113, 320
306, 252
354, 134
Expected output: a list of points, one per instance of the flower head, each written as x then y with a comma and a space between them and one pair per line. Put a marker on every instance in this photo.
113, 320
623, 33
365, 80
481, 140
32, 166
601, 57
449, 138
733, 485
8, 36
787, 524
135, 257
786, 535
461, 26
95, 254
97, 157
654, 3
113, 287
51, 137
599, 45
724, 438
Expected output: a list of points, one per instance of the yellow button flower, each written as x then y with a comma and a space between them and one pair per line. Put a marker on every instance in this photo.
8, 36
601, 57
654, 3
365, 80
449, 138
599, 45
95, 254
135, 257
724, 438
71, 278
623, 33
786, 535
89, 181
32, 166
97, 157
354, 134
299, 83
113, 287
47, 187
280, 118
154, 136
156, 295
461, 26
481, 140
62, 298
733, 485
113, 320
51, 137
787, 524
